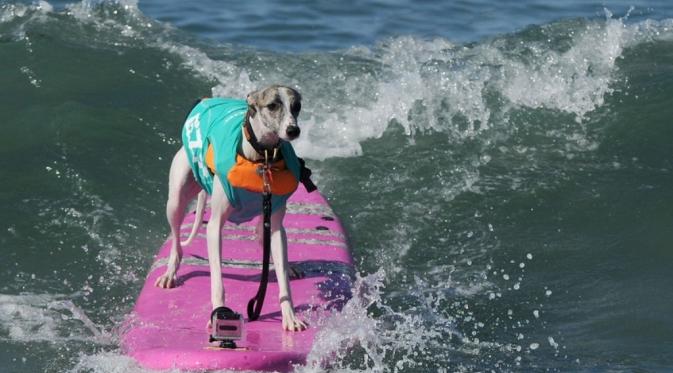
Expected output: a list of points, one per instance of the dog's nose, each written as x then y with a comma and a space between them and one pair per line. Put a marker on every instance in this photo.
292, 132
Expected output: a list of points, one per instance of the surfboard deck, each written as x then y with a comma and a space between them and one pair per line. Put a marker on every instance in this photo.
167, 328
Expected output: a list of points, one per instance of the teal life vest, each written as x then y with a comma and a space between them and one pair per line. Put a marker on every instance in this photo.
218, 122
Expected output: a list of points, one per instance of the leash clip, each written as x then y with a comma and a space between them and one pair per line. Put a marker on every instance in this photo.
265, 170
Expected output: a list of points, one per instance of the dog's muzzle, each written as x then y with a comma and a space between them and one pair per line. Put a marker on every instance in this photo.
292, 132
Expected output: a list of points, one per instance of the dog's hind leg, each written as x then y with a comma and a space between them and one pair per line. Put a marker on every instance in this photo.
182, 188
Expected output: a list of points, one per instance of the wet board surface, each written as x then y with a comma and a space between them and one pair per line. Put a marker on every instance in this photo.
167, 328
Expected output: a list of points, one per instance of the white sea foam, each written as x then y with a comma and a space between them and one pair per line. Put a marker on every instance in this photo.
574, 81
371, 335
46, 318
437, 85
231, 79
425, 85
32, 78
9, 12
462, 91
402, 337
44, 6
109, 362
459, 90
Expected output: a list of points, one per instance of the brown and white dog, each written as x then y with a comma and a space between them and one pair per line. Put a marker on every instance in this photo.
272, 113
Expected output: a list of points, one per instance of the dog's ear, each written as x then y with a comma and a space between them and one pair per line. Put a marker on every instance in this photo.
252, 99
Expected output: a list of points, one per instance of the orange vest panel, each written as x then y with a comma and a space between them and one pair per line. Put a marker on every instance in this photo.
244, 175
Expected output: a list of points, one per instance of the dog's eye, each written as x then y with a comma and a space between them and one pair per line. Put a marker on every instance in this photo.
273, 106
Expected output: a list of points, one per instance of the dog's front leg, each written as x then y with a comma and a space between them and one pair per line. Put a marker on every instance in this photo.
220, 210
279, 251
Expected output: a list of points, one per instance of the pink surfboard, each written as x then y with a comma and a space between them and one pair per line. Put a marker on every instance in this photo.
167, 328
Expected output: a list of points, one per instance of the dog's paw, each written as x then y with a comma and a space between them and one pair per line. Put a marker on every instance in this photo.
166, 281
293, 324
290, 321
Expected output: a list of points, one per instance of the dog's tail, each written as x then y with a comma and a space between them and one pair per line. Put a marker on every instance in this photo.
198, 218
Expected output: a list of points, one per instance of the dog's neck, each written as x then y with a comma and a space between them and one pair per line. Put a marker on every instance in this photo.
248, 150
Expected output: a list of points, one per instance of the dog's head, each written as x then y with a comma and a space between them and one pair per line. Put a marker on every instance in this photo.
273, 114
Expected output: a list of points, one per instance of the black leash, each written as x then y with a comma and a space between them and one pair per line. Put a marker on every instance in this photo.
255, 304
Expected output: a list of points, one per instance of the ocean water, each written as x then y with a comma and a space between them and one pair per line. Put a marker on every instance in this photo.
504, 171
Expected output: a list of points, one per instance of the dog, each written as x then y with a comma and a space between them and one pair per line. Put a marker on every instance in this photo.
271, 115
